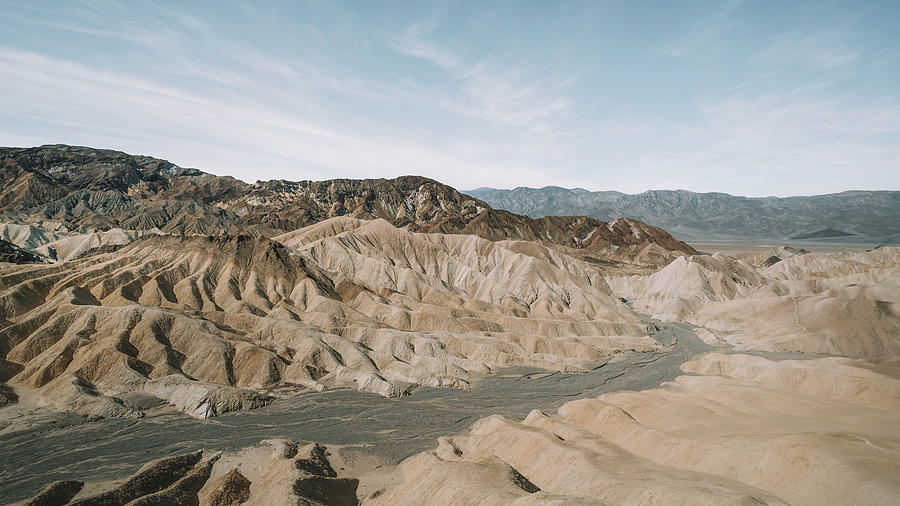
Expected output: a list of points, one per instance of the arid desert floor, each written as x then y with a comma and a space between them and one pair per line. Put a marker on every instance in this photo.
757, 376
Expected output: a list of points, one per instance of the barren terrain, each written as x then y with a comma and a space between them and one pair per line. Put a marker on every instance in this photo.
441, 351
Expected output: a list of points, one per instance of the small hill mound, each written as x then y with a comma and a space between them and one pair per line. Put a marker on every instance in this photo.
825, 233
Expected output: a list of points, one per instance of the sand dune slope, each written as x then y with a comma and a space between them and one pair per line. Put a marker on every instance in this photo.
70, 248
686, 284
840, 304
844, 304
748, 430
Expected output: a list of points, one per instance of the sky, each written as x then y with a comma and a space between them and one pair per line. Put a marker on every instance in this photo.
751, 98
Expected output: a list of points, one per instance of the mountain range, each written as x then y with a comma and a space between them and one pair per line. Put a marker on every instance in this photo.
72, 189
851, 216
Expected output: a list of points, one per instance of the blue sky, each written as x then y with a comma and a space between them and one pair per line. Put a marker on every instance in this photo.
751, 98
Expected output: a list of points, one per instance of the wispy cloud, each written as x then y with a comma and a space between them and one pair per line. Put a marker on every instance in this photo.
702, 34
501, 94
411, 43
748, 143
302, 74
456, 92
824, 56
163, 35
76, 95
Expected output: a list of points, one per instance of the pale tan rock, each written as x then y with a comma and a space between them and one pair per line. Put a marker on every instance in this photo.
687, 283
792, 433
69, 248
206, 323
748, 430
301, 475
824, 323
844, 303
58, 492
230, 489
26, 236
429, 479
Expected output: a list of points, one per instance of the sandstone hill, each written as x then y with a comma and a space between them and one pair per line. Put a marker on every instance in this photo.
735, 429
738, 429
26, 236
285, 473
845, 304
212, 324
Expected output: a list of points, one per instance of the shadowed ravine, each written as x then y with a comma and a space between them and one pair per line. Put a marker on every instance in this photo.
391, 429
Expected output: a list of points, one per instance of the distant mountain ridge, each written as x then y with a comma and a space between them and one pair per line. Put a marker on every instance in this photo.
851, 215
77, 189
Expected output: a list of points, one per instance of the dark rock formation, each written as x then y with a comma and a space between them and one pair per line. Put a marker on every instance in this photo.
231, 488
15, 255
150, 478
56, 493
86, 188
182, 492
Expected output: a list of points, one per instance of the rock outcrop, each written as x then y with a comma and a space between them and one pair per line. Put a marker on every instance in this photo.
302, 475
10, 253
26, 236
157, 476
229, 489
56, 493
291, 474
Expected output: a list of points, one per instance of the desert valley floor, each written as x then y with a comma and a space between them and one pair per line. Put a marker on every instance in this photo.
368, 428
742, 366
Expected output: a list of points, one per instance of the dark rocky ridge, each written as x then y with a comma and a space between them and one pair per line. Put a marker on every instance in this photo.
81, 188
15, 255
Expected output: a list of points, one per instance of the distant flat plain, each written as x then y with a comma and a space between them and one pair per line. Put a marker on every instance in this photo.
731, 247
